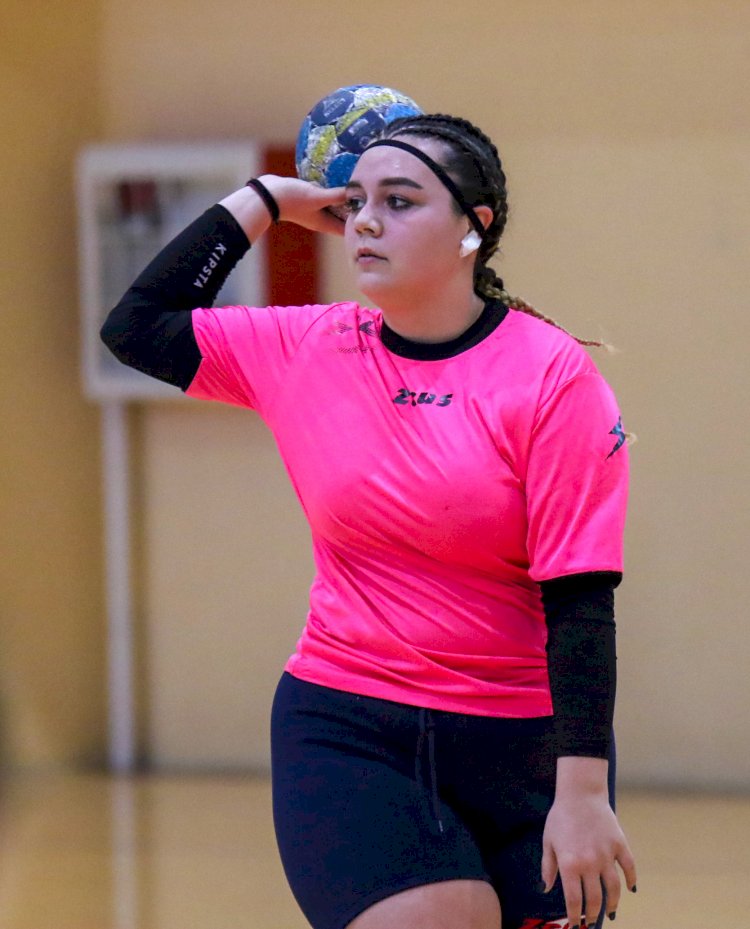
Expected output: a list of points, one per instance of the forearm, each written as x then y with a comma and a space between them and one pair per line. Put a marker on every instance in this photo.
582, 661
581, 777
150, 328
248, 211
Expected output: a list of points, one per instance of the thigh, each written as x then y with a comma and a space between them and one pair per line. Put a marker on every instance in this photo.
499, 776
503, 789
446, 905
516, 869
354, 822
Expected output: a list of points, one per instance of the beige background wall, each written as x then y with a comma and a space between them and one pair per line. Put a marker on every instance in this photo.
51, 627
625, 135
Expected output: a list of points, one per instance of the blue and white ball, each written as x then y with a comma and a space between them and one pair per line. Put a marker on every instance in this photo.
340, 126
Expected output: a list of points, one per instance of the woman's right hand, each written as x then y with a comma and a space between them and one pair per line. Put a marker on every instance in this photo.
306, 204
299, 202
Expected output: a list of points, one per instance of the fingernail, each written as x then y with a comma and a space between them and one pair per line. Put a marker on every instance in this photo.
612, 915
633, 889
541, 887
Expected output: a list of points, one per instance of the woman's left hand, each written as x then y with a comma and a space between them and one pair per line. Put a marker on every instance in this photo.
583, 841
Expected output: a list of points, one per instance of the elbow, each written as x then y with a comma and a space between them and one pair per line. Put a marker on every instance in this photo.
121, 332
108, 331
156, 341
114, 334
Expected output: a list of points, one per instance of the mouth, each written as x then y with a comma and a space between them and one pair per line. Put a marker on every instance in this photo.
367, 256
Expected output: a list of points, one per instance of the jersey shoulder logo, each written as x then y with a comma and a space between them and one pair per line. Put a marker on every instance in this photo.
341, 328
619, 432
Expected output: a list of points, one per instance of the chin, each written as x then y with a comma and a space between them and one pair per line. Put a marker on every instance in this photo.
383, 296
372, 289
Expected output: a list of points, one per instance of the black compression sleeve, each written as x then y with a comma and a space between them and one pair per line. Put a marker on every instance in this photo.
582, 660
150, 328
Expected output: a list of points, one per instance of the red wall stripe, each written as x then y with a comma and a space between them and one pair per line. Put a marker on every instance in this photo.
293, 253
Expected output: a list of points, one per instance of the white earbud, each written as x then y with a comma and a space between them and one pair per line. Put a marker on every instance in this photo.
470, 243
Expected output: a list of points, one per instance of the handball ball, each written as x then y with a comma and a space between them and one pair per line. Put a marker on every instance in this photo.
340, 126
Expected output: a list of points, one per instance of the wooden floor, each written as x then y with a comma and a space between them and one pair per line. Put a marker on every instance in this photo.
91, 852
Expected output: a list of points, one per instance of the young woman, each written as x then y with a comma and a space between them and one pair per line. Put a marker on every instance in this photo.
441, 738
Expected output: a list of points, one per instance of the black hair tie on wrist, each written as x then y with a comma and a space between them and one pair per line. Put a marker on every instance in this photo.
266, 196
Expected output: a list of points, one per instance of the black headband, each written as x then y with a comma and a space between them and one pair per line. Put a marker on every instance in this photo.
441, 175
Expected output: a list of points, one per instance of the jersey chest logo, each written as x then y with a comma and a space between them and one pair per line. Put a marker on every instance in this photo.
406, 397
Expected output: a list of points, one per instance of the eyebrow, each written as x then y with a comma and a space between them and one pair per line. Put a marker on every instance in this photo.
390, 182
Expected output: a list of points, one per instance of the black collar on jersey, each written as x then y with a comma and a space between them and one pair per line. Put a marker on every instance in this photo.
492, 315
441, 175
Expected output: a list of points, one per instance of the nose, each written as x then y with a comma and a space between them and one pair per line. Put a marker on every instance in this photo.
366, 221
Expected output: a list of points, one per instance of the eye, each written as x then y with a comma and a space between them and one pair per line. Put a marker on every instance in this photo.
352, 204
398, 203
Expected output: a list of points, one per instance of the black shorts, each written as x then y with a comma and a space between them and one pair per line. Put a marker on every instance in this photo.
372, 797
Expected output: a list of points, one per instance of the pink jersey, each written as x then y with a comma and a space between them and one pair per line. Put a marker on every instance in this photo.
438, 494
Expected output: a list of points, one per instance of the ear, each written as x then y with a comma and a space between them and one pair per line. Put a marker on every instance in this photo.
485, 215
472, 241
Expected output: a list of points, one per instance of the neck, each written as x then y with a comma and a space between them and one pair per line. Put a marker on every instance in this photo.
435, 317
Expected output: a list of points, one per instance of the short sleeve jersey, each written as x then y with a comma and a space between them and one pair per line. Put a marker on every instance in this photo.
438, 492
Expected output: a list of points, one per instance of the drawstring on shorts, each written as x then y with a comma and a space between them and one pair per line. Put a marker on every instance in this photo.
427, 735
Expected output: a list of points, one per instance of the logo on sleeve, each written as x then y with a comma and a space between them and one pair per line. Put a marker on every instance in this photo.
619, 432
213, 262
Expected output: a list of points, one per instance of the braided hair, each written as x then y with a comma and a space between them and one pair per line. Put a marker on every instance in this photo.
473, 161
